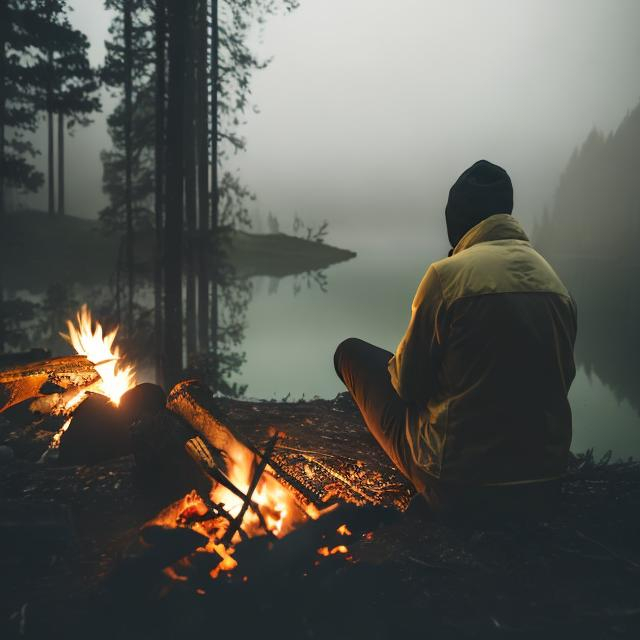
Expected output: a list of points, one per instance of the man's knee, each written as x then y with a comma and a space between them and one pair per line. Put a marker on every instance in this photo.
343, 354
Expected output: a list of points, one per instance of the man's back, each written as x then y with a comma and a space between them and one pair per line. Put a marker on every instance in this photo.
498, 335
473, 404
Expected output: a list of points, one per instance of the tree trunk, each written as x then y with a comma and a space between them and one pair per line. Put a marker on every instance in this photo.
174, 186
60, 163
128, 91
3, 98
203, 178
50, 176
190, 186
161, 25
214, 190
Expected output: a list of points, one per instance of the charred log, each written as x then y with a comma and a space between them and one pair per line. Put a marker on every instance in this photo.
169, 460
24, 382
98, 431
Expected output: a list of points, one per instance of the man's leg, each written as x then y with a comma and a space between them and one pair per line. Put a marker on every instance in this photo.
363, 369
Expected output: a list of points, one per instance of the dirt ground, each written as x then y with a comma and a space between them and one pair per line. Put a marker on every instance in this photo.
70, 564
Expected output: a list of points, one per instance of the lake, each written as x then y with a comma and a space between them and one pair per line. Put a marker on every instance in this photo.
293, 327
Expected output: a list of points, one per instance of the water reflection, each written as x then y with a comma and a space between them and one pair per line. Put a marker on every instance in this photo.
276, 336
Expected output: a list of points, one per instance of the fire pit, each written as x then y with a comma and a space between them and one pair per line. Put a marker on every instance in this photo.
228, 490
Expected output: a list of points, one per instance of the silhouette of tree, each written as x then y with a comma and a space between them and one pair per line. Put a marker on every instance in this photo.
67, 84
591, 234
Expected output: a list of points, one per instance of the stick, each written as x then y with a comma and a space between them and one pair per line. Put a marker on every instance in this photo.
236, 524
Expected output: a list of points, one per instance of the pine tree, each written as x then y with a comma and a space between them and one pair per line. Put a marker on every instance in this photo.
18, 118
68, 83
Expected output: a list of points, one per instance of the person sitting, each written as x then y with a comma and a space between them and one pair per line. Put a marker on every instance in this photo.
472, 407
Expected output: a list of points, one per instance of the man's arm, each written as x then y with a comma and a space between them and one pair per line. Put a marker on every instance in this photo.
413, 367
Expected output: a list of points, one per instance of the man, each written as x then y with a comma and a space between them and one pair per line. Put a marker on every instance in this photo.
473, 405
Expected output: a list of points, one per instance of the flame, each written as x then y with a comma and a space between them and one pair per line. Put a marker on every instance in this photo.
280, 511
115, 380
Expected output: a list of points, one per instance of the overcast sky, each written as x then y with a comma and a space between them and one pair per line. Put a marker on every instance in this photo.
371, 108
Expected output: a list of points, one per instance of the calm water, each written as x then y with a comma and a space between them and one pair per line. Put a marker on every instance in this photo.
293, 329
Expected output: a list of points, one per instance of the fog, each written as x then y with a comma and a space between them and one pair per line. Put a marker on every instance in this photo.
370, 109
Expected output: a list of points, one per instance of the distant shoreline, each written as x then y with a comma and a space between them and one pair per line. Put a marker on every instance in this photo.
39, 250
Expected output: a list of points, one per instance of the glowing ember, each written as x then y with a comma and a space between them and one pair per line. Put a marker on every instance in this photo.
88, 341
55, 441
325, 551
343, 530
280, 512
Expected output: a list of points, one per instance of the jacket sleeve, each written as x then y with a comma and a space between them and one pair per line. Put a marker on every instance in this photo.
413, 368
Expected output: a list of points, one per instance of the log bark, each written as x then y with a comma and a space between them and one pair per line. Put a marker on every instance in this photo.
194, 402
24, 382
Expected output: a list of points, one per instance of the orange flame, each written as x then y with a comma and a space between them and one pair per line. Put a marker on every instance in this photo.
115, 380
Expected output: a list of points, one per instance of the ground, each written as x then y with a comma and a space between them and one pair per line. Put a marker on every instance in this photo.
69, 539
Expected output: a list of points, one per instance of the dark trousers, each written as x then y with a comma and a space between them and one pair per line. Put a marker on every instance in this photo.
363, 369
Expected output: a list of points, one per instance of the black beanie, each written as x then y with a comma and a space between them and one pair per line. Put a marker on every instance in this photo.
483, 190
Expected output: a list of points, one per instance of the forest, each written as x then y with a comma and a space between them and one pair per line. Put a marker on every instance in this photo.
591, 234
164, 244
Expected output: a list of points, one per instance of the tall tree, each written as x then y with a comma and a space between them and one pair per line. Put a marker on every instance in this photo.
19, 84
190, 181
160, 22
75, 96
128, 117
69, 85
128, 168
202, 118
177, 18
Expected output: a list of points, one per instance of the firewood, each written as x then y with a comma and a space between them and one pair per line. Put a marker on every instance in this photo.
236, 524
24, 382
168, 460
194, 402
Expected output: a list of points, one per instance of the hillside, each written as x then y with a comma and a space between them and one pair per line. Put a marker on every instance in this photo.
596, 212
591, 237
38, 251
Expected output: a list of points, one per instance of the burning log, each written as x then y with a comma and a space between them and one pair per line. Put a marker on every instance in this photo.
24, 382
194, 403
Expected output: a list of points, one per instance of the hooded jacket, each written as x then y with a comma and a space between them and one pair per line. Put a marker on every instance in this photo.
487, 361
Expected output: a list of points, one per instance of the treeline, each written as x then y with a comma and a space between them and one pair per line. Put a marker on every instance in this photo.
44, 69
591, 236
181, 70
596, 213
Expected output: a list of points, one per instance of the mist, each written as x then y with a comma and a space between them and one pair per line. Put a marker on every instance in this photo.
369, 110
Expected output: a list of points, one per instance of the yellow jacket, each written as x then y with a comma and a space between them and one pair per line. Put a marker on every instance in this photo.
487, 361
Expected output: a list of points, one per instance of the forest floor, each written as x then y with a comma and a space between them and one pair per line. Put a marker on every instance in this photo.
65, 533
40, 250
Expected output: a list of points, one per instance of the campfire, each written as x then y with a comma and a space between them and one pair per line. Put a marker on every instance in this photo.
233, 491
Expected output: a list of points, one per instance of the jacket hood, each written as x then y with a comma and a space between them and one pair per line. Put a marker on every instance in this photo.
501, 226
